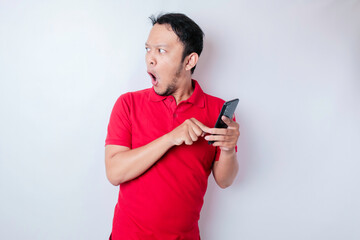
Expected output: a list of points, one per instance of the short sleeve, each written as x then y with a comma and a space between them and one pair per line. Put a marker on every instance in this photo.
218, 150
119, 128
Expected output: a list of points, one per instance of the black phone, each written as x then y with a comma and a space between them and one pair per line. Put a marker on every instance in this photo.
228, 110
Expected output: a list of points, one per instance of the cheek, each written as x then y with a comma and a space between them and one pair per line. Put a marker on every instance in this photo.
168, 61
168, 66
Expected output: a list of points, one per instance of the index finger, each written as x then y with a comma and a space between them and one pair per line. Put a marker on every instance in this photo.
202, 126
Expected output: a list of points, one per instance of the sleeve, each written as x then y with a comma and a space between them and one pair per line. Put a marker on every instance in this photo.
218, 150
119, 128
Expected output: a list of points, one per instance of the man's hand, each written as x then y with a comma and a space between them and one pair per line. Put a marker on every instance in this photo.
225, 138
188, 132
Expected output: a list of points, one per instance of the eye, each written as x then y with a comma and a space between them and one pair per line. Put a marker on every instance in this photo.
147, 49
161, 50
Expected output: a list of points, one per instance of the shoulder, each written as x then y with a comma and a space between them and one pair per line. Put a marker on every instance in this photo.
127, 101
213, 101
210, 99
134, 96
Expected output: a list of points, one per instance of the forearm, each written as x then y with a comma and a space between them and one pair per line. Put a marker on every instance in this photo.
124, 164
127, 165
226, 169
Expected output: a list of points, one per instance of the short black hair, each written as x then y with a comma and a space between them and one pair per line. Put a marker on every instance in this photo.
189, 33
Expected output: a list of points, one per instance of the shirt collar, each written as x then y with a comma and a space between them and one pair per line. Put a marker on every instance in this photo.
197, 97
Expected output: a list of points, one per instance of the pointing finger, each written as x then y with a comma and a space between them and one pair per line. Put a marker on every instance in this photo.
203, 127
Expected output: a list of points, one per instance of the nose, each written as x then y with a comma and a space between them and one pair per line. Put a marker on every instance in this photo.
150, 59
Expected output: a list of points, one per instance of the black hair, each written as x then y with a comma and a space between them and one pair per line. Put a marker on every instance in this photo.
189, 33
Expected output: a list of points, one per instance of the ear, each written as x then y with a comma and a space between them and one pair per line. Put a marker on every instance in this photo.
191, 61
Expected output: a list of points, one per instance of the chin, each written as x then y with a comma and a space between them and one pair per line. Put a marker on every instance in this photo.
158, 92
161, 93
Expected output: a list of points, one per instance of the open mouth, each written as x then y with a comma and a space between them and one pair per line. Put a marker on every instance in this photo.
153, 78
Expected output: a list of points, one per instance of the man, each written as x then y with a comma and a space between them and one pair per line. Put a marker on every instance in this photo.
157, 144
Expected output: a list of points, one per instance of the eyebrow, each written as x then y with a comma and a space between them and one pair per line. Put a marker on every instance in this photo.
156, 46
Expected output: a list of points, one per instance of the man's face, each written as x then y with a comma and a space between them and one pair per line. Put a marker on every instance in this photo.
163, 59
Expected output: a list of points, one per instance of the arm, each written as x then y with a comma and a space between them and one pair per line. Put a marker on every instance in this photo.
226, 169
124, 164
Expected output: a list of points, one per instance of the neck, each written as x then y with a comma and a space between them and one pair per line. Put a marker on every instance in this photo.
184, 90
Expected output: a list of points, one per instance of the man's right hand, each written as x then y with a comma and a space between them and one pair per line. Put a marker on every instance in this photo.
188, 132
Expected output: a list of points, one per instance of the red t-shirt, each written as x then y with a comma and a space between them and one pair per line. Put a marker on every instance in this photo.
165, 201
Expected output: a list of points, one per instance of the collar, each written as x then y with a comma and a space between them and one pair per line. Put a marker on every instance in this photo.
197, 97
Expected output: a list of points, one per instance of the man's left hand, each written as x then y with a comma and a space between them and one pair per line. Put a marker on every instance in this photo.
225, 138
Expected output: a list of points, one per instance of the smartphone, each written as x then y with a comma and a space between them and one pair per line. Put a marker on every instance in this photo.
228, 110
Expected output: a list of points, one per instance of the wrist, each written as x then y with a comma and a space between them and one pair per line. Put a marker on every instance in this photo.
168, 140
228, 151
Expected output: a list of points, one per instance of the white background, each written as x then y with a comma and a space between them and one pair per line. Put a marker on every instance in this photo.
294, 65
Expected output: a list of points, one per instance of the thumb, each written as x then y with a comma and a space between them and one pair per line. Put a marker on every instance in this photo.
226, 119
